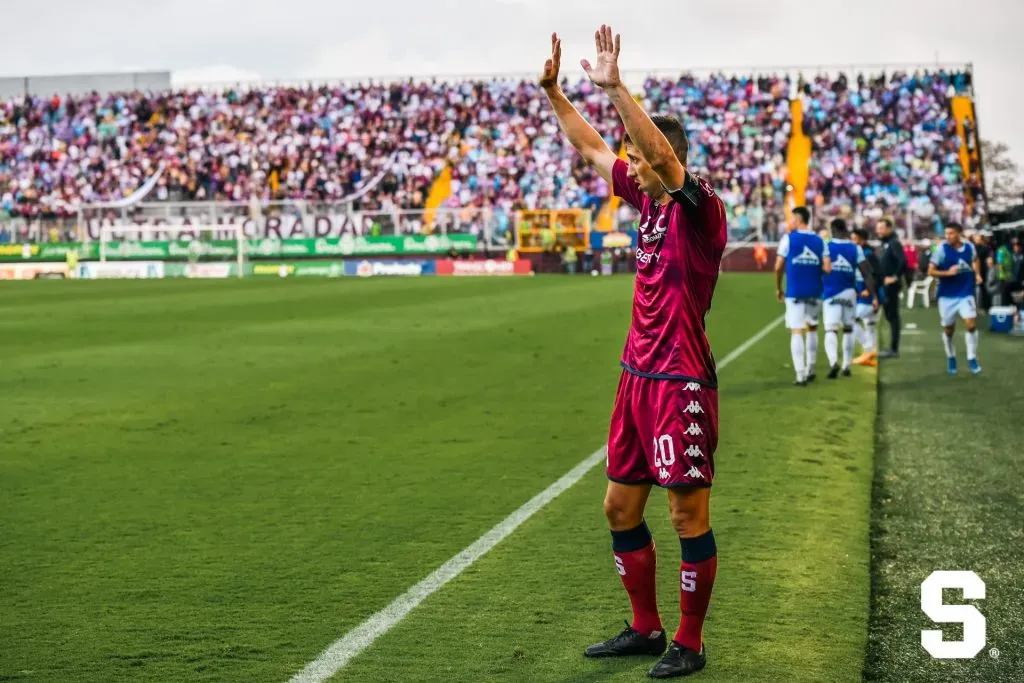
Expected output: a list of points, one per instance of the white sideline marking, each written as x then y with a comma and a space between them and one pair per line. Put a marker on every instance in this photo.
341, 651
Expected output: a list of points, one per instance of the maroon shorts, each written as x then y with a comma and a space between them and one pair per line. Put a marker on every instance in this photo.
663, 432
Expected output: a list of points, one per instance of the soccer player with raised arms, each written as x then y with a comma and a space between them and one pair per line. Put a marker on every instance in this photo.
664, 426
803, 258
955, 263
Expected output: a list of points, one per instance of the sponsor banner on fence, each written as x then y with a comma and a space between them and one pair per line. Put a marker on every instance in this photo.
33, 271
215, 271
613, 240
298, 269
377, 268
346, 245
484, 268
131, 270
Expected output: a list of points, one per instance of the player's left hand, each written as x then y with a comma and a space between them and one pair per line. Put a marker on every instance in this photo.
977, 279
605, 72
891, 279
875, 305
779, 295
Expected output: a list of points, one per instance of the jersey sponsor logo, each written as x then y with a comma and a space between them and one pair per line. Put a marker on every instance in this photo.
694, 430
840, 263
694, 473
692, 386
963, 266
807, 258
643, 258
657, 233
693, 409
694, 451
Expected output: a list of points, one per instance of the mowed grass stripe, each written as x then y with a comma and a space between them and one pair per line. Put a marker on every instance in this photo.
948, 496
790, 509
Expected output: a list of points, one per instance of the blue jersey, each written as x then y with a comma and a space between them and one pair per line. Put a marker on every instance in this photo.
846, 259
947, 256
804, 253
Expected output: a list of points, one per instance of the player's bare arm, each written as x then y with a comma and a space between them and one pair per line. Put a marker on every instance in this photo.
651, 142
978, 279
826, 265
587, 141
934, 271
780, 268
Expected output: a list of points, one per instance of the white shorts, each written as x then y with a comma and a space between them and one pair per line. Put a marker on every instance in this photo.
841, 310
951, 306
866, 313
800, 314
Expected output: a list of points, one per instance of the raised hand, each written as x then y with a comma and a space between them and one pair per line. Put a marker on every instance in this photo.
549, 78
605, 72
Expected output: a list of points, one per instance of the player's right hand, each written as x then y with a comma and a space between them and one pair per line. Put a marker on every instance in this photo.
779, 295
549, 78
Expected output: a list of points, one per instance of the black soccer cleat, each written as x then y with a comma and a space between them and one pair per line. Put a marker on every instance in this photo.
628, 643
846, 372
833, 372
811, 377
800, 383
679, 661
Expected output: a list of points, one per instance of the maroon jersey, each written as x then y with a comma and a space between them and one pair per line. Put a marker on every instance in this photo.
678, 256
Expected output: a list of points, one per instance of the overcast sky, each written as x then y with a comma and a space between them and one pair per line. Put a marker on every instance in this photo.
217, 40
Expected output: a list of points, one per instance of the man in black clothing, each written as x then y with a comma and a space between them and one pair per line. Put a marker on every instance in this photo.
892, 265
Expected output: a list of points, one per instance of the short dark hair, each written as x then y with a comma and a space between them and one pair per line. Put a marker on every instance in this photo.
861, 233
838, 227
804, 214
955, 226
673, 131
886, 221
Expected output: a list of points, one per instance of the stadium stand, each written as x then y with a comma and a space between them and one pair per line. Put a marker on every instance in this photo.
885, 143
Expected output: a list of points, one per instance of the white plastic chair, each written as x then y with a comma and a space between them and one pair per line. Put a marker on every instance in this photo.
922, 287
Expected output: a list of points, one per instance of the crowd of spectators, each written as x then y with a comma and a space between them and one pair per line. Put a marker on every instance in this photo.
880, 144
886, 145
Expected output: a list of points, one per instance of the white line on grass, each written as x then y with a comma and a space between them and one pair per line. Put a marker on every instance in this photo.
361, 637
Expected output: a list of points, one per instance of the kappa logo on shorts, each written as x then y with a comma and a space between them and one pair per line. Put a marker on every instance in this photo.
693, 386
663, 474
693, 451
694, 430
694, 473
693, 408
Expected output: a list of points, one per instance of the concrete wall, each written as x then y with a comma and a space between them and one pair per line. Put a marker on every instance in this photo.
76, 84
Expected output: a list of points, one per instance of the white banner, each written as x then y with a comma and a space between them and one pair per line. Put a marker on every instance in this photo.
131, 270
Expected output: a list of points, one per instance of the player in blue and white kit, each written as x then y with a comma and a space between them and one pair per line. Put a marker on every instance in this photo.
956, 264
803, 258
840, 292
867, 313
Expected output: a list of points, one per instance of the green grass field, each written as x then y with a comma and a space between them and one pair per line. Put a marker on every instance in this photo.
213, 481
949, 493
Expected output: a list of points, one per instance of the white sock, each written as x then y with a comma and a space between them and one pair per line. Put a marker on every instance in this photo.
832, 347
812, 351
796, 349
947, 342
847, 349
972, 344
870, 337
